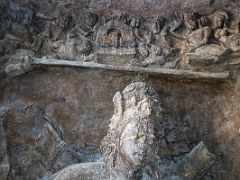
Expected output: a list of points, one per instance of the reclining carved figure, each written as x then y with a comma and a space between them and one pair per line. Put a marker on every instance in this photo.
129, 149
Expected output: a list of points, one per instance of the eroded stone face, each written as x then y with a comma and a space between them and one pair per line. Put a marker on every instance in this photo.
135, 143
132, 130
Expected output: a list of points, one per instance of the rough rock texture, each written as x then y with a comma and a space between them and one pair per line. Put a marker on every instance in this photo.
130, 148
4, 162
169, 34
77, 102
53, 117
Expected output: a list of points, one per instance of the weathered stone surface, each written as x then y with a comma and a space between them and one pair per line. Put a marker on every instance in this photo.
4, 162
22, 66
82, 171
193, 165
184, 38
58, 115
130, 148
38, 144
79, 110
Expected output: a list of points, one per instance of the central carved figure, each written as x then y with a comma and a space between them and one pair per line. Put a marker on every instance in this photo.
130, 144
129, 149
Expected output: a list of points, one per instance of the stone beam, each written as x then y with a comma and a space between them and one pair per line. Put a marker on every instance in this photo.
189, 74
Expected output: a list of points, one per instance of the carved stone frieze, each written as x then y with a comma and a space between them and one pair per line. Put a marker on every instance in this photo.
187, 40
62, 60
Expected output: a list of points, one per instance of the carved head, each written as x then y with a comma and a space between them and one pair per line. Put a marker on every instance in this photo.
147, 35
158, 24
91, 18
135, 143
64, 22
190, 20
220, 19
131, 138
135, 22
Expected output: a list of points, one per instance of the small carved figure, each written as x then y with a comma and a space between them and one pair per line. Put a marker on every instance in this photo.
114, 34
64, 22
20, 15
157, 56
186, 19
190, 20
75, 46
43, 39
143, 50
115, 43
230, 41
91, 19
144, 36
227, 40
198, 32
220, 19
199, 37
145, 39
158, 25
227, 37
72, 49
87, 27
156, 48
135, 22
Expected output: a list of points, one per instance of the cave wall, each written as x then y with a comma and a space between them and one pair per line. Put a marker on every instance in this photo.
53, 117
77, 103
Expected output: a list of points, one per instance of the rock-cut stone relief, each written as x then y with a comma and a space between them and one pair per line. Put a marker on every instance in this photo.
180, 38
185, 40
130, 150
115, 43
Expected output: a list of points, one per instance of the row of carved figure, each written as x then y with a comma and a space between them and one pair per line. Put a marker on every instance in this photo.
188, 40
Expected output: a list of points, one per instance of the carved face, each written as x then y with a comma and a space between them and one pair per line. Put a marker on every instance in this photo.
219, 22
220, 19
91, 19
64, 22
136, 143
147, 37
131, 143
190, 21
191, 25
135, 22
82, 47
158, 25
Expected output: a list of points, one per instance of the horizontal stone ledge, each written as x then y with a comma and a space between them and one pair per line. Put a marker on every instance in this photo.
226, 75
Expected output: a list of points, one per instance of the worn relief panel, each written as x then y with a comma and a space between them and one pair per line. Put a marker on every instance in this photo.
130, 147
171, 69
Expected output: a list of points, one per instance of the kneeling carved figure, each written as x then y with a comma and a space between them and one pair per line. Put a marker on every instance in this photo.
129, 149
